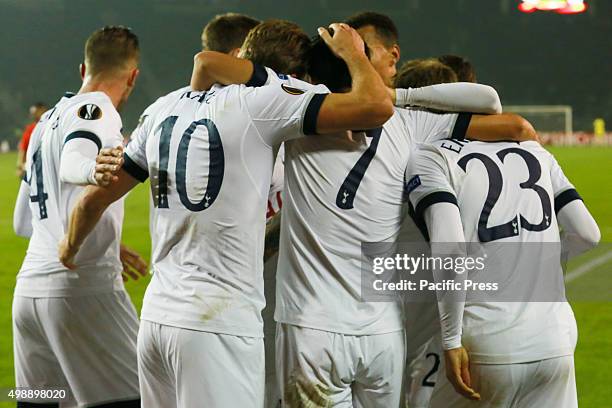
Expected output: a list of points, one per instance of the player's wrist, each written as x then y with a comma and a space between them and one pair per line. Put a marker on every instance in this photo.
451, 343
403, 96
72, 247
354, 58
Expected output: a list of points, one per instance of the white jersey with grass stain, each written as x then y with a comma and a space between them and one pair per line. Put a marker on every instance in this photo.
210, 157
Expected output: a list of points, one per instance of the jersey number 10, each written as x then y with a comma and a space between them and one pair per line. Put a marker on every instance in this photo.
216, 165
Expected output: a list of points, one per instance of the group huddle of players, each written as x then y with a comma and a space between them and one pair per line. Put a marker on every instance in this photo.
348, 151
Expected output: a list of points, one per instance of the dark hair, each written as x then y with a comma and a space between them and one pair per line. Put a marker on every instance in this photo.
324, 67
110, 48
280, 45
384, 26
462, 67
418, 73
226, 32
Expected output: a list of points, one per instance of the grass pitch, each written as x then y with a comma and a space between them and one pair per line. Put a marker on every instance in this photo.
590, 169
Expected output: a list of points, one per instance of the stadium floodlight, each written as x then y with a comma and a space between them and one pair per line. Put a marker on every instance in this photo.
557, 6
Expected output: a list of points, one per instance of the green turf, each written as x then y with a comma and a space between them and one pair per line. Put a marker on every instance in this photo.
588, 168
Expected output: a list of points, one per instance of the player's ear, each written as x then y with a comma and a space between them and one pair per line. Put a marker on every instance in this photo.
132, 78
395, 51
82, 70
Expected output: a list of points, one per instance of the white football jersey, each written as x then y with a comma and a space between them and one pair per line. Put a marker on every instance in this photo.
275, 195
210, 157
340, 193
507, 193
91, 122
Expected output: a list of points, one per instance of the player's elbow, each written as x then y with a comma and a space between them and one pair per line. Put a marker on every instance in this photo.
202, 59
22, 228
377, 113
77, 168
91, 203
521, 129
491, 100
202, 62
64, 173
592, 236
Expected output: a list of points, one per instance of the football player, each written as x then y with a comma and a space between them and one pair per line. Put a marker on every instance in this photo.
76, 328
511, 198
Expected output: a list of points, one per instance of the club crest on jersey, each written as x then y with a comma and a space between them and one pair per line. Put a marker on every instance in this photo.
292, 91
89, 112
412, 184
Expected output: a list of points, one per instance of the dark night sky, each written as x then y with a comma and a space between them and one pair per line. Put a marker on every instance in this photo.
540, 58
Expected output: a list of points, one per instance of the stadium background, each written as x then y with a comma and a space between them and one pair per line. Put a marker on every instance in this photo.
540, 58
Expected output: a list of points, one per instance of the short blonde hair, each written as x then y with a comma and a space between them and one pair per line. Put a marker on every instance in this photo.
110, 48
280, 45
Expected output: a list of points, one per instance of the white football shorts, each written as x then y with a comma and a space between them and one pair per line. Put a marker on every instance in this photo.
186, 368
423, 372
318, 368
86, 344
549, 383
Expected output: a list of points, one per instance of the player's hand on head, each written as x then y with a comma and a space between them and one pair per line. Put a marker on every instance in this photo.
458, 372
67, 253
108, 163
134, 266
343, 40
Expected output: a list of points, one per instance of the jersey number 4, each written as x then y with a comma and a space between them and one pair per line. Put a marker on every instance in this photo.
216, 166
40, 197
496, 182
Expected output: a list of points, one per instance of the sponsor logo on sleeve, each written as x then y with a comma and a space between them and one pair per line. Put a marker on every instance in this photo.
89, 112
292, 91
412, 184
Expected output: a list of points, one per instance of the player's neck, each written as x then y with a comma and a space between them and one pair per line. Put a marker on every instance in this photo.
112, 88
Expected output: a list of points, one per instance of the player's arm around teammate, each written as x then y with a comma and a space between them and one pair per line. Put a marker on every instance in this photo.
87, 212
211, 67
368, 105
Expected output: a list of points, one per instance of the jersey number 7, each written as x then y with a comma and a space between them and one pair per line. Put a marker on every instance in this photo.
348, 190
